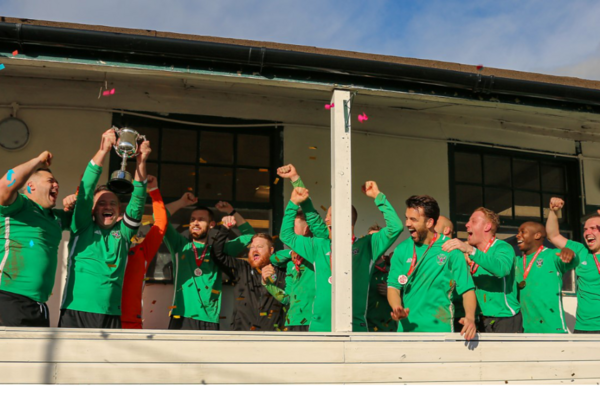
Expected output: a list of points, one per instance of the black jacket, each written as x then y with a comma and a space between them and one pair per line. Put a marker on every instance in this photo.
254, 309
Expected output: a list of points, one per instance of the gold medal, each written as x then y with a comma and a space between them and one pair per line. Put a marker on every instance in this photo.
198, 272
521, 285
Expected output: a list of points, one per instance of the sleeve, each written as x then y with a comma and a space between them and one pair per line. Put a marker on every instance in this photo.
313, 219
155, 237
173, 239
395, 270
564, 267
499, 262
66, 218
228, 264
300, 244
281, 258
519, 273
237, 245
460, 272
580, 249
382, 240
15, 207
82, 214
246, 229
132, 219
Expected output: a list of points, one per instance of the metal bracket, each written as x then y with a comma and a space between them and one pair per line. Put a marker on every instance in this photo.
347, 111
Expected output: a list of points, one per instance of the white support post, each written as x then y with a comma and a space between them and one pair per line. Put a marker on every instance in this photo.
341, 200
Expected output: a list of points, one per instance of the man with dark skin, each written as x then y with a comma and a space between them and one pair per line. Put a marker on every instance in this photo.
539, 279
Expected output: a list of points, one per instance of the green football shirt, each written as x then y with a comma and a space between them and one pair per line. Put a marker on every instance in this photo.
29, 240
379, 317
98, 257
427, 291
198, 288
588, 289
495, 280
541, 297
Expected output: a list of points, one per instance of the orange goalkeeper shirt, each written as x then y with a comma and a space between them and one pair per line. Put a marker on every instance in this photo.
137, 264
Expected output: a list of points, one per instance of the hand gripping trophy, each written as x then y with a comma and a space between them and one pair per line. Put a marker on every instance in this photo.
121, 181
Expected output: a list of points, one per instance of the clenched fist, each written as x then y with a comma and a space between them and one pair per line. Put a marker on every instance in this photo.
188, 199
228, 222
45, 159
69, 202
556, 203
152, 182
370, 189
299, 196
109, 139
224, 207
288, 171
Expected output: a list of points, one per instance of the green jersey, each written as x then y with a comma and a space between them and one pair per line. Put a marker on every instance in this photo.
541, 297
29, 240
98, 257
198, 287
588, 289
318, 252
495, 280
427, 291
379, 317
299, 293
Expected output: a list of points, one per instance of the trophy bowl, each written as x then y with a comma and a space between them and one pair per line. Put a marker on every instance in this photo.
121, 181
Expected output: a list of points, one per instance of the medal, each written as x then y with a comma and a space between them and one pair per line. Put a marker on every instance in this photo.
198, 272
521, 285
403, 279
330, 280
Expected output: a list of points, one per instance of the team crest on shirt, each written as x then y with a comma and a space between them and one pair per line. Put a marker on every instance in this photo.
441, 259
116, 234
539, 263
354, 252
408, 260
584, 263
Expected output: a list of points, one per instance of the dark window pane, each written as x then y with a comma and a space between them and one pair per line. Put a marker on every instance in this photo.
468, 198
151, 168
252, 185
467, 167
499, 201
497, 170
553, 179
178, 145
527, 205
177, 179
216, 148
151, 135
215, 183
562, 214
569, 281
253, 150
526, 174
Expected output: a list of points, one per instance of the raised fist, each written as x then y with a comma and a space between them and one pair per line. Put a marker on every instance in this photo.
109, 139
69, 202
152, 182
370, 189
45, 159
267, 271
145, 150
189, 199
556, 203
228, 222
299, 196
288, 171
224, 207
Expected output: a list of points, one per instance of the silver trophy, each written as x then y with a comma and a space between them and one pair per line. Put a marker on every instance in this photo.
121, 181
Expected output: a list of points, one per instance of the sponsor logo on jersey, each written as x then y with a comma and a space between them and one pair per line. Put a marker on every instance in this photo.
441, 259
584, 263
116, 234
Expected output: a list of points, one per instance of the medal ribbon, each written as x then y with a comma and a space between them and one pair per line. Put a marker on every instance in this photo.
297, 261
472, 264
413, 264
537, 253
201, 259
597, 263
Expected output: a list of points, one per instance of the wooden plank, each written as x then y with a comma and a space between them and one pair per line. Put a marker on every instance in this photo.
150, 351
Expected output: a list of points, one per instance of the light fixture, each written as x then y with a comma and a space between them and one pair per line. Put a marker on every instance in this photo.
14, 134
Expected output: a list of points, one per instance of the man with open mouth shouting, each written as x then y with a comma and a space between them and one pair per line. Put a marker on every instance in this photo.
255, 309
539, 279
492, 264
588, 270
100, 243
30, 233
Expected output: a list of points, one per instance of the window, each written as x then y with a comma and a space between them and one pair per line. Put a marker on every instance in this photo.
236, 165
517, 186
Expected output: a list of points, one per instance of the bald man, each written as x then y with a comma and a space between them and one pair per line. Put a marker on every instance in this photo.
539, 279
444, 227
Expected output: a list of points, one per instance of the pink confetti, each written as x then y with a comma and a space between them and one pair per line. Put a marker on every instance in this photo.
479, 67
329, 106
362, 118
16, 52
108, 92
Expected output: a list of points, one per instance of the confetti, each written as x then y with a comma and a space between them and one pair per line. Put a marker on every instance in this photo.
276, 181
303, 321
222, 317
153, 301
362, 118
28, 189
176, 316
312, 147
12, 179
329, 106
1, 67
185, 226
275, 237
215, 291
31, 243
146, 279
479, 67
15, 53
203, 161
111, 266
312, 158
240, 298
263, 170
323, 208
172, 307
375, 329
146, 223
108, 92
252, 328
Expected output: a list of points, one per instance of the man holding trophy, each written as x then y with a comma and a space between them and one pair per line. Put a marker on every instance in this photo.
100, 241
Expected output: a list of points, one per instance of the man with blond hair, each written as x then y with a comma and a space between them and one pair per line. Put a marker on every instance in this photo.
492, 264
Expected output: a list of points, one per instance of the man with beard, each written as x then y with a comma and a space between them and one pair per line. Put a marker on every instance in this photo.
30, 233
539, 279
198, 282
378, 308
427, 275
492, 264
588, 270
255, 308
100, 243
365, 251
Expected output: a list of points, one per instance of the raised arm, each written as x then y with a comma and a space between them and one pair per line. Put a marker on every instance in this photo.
381, 241
228, 264
302, 245
173, 239
244, 227
135, 209
552, 229
17, 177
155, 236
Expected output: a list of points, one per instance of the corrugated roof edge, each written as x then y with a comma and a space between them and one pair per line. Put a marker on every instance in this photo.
503, 73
